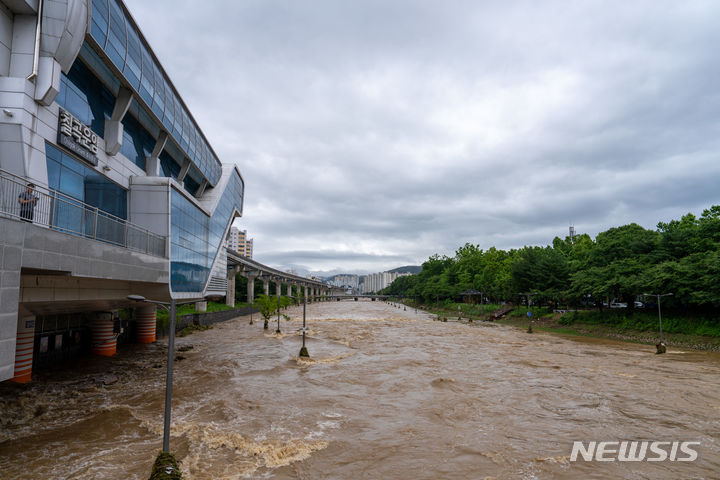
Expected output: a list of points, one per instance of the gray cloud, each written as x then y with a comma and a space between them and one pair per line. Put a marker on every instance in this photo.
373, 134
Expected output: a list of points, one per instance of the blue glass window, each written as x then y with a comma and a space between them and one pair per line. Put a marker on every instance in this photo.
99, 26
190, 251
137, 142
83, 95
192, 181
158, 105
115, 33
133, 61
168, 165
195, 238
169, 113
116, 47
147, 83
73, 178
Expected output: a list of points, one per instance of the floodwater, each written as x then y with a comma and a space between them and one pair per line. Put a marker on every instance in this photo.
387, 394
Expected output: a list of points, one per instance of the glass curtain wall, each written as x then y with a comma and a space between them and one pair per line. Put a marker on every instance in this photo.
85, 97
71, 177
116, 34
196, 238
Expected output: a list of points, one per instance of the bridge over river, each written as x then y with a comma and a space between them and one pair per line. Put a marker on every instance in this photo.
311, 288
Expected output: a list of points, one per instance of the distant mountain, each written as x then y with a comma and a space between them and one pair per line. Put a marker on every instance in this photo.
407, 269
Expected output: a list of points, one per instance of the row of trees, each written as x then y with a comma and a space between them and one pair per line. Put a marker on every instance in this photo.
681, 256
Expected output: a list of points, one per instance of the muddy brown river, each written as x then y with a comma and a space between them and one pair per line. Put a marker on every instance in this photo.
387, 394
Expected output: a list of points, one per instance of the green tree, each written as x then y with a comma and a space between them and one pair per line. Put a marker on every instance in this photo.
618, 264
268, 305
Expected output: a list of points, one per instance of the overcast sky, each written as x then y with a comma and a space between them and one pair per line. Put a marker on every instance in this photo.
374, 133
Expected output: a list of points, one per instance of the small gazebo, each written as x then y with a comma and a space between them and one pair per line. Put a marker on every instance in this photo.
471, 296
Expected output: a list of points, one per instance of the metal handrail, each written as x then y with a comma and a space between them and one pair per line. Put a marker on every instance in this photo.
63, 213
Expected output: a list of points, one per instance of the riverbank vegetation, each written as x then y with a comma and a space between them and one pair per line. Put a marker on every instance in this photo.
680, 329
615, 269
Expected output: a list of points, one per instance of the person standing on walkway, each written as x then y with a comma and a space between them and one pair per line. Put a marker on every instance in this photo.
27, 201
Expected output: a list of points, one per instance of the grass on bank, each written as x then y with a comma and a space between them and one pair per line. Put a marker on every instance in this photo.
645, 321
642, 325
163, 316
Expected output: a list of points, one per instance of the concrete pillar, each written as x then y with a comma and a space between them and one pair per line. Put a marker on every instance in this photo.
152, 163
104, 341
201, 189
113, 125
306, 293
278, 288
146, 318
201, 306
47, 83
289, 290
266, 285
230, 292
183, 170
251, 289
24, 349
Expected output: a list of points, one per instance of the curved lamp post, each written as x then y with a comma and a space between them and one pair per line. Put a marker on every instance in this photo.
659, 296
170, 307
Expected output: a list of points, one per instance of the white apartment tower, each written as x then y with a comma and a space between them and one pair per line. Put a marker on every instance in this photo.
238, 242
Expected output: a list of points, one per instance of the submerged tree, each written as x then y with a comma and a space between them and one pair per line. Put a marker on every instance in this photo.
267, 305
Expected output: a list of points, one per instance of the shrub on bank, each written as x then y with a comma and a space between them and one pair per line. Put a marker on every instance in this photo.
645, 321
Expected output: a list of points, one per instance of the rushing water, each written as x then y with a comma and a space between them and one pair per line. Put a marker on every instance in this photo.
387, 394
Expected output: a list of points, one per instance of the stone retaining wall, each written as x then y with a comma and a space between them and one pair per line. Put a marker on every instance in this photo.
208, 318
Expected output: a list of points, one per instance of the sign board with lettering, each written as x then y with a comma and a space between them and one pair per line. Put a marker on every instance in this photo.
77, 137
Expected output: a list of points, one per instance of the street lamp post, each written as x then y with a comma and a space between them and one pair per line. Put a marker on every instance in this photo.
278, 307
659, 296
171, 309
303, 350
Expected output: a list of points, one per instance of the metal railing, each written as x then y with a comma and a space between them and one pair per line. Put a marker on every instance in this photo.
49, 208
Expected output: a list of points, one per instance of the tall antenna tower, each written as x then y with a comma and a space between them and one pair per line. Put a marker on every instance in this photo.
572, 234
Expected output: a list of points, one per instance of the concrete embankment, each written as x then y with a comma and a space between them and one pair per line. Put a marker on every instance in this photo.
207, 318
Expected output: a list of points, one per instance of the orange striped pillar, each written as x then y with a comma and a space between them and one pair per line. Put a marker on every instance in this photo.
104, 341
145, 317
24, 349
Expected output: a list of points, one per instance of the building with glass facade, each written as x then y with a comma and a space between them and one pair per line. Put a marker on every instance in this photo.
128, 196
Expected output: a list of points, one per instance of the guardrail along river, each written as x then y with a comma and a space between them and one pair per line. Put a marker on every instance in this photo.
388, 394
